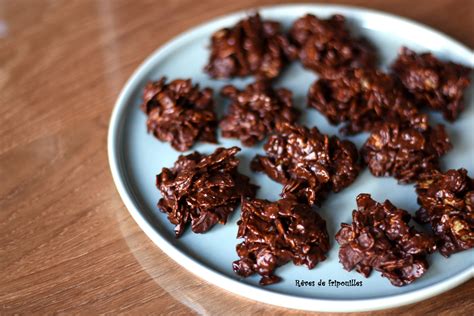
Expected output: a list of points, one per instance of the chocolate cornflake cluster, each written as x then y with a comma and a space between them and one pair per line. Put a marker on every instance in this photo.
180, 113
404, 152
362, 99
256, 111
251, 47
202, 190
447, 204
309, 164
437, 84
275, 233
381, 238
326, 46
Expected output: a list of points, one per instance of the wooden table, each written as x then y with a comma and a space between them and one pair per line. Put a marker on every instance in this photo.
67, 243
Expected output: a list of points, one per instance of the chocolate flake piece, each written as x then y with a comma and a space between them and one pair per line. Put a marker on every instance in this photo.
380, 238
447, 204
326, 46
405, 152
434, 83
275, 233
363, 98
309, 164
202, 190
256, 111
179, 113
251, 47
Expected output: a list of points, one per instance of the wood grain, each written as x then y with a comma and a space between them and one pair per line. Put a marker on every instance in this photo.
67, 243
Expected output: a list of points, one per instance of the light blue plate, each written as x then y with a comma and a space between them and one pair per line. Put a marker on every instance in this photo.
136, 157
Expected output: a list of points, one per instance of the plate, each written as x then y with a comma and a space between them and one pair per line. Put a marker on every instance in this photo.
136, 157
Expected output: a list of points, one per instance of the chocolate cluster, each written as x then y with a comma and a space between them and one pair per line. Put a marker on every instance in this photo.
256, 111
381, 238
308, 163
432, 82
202, 190
251, 47
447, 204
404, 152
326, 45
362, 99
179, 113
275, 233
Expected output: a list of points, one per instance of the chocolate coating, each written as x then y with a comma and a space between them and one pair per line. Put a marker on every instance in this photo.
202, 190
251, 47
309, 164
404, 152
179, 113
275, 233
381, 238
447, 204
432, 82
362, 99
326, 45
256, 111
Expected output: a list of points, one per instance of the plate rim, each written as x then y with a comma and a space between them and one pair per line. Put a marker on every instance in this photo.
214, 277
